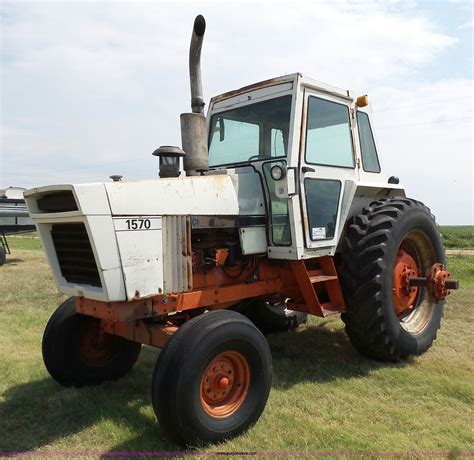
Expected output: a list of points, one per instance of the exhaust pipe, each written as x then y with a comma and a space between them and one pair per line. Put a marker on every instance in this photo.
197, 99
193, 125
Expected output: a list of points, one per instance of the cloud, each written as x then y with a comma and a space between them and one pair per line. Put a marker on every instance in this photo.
90, 89
467, 25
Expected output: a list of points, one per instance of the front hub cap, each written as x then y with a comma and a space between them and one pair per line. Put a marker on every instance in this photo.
95, 346
403, 294
224, 384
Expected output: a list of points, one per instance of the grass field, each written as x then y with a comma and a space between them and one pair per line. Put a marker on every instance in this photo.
325, 396
459, 236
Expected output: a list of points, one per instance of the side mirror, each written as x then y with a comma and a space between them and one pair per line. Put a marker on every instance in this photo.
221, 129
219, 126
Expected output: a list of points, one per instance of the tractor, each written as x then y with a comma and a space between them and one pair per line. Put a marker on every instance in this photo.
283, 212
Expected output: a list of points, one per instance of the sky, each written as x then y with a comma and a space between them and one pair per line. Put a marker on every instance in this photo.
90, 89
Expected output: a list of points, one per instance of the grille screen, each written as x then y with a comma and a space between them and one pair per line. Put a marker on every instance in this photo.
74, 252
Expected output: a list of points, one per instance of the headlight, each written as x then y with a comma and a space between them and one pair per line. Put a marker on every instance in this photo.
277, 172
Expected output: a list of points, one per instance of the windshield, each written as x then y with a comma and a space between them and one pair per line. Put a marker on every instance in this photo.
253, 132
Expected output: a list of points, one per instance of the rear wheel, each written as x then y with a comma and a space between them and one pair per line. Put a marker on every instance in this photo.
77, 352
212, 379
3, 256
391, 241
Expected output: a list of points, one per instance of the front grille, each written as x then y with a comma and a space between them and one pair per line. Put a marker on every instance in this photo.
74, 252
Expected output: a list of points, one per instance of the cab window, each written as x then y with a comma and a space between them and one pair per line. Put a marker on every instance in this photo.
253, 132
328, 134
370, 161
239, 141
277, 143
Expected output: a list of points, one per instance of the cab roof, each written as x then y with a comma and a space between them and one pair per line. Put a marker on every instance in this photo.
296, 78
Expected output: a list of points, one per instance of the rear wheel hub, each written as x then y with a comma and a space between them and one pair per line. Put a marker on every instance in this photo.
403, 294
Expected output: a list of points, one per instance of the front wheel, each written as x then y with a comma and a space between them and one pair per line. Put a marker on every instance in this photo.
77, 352
391, 241
212, 379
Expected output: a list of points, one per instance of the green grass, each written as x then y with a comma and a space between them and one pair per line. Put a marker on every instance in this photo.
458, 237
325, 396
462, 267
24, 241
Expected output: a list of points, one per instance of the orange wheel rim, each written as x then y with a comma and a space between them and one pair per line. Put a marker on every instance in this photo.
225, 384
404, 295
95, 346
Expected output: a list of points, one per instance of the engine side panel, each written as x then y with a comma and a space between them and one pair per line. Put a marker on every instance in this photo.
196, 195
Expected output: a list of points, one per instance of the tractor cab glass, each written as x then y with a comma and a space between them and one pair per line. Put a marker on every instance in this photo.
254, 132
328, 134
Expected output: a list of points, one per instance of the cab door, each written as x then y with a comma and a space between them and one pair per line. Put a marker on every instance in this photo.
327, 165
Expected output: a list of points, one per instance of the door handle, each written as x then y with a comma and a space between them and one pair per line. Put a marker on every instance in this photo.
306, 169
291, 174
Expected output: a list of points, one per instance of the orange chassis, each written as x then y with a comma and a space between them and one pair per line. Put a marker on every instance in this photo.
311, 286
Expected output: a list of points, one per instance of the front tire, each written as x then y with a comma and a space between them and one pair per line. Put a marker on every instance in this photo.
212, 379
3, 256
76, 352
386, 318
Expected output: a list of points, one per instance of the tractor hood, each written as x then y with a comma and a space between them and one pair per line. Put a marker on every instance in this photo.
120, 241
184, 196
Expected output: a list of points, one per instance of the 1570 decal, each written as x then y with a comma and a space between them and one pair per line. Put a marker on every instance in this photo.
137, 223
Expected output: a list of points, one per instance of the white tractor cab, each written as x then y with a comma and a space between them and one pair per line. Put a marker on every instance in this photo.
283, 212
313, 149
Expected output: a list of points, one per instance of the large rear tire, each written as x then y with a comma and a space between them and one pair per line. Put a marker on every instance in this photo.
76, 352
212, 379
387, 319
3, 256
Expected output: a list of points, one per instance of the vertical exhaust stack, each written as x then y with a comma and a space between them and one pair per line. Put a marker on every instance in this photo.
193, 125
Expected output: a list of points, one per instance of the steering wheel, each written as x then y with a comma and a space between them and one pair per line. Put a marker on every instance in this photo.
259, 157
